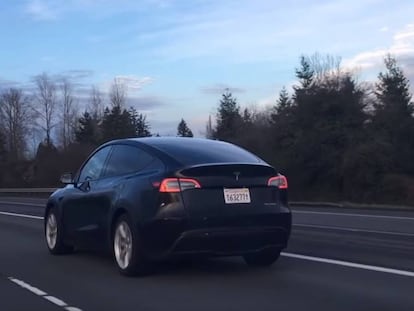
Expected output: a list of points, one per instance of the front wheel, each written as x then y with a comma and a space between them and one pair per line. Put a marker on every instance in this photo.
54, 234
127, 250
263, 258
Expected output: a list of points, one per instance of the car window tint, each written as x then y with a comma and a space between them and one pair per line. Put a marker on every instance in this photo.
93, 168
206, 151
127, 159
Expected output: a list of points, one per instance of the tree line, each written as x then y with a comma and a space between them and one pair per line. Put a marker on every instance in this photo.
336, 138
51, 111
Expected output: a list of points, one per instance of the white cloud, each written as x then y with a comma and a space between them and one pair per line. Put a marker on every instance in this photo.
48, 10
132, 82
220, 88
384, 29
147, 104
267, 101
78, 73
41, 10
5, 83
402, 47
404, 35
246, 31
246, 38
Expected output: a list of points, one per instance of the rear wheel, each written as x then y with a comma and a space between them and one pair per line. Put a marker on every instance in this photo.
127, 249
263, 258
54, 234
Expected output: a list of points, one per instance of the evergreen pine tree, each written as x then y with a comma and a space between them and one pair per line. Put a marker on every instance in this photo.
393, 121
229, 120
183, 130
139, 123
283, 105
86, 130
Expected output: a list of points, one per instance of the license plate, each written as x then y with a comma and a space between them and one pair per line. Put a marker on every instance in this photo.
234, 196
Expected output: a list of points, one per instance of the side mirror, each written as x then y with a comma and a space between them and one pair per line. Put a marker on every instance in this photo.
67, 179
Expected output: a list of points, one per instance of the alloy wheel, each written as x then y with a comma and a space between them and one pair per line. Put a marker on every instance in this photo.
123, 245
51, 230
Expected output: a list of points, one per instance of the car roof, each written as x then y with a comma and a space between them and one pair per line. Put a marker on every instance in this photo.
157, 142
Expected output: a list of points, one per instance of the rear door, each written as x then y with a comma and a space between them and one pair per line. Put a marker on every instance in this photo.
127, 176
231, 195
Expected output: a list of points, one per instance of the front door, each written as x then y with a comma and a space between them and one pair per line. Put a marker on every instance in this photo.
84, 209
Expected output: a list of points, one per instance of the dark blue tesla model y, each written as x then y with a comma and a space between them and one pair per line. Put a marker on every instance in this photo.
151, 199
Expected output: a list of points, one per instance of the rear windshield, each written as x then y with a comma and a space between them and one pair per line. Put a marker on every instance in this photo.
206, 151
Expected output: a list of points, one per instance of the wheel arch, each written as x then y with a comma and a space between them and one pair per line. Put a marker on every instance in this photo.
64, 248
49, 206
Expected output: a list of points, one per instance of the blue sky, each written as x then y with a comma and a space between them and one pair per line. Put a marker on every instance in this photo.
177, 57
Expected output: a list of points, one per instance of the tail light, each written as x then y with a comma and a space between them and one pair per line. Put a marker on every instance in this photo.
178, 184
279, 181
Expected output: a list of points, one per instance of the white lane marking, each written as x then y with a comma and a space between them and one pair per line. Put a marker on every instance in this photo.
22, 203
21, 215
40, 293
350, 264
352, 215
30, 288
56, 301
352, 229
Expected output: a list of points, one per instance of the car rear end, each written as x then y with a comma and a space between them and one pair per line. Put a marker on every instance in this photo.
232, 209
221, 201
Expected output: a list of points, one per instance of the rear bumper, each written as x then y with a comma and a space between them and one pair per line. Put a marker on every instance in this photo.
178, 236
229, 241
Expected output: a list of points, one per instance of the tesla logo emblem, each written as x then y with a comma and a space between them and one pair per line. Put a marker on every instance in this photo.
236, 174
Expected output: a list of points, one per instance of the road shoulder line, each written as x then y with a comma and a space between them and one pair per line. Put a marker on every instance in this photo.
21, 215
352, 215
350, 264
352, 229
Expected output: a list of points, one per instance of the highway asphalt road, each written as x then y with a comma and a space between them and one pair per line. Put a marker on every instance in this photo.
336, 260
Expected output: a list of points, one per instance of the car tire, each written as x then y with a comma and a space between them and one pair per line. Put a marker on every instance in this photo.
127, 250
54, 234
263, 258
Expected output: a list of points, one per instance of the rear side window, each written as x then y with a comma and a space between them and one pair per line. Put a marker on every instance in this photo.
127, 159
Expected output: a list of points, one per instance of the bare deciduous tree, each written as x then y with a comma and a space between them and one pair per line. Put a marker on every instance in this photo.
68, 117
325, 66
96, 103
45, 100
118, 94
209, 129
14, 114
